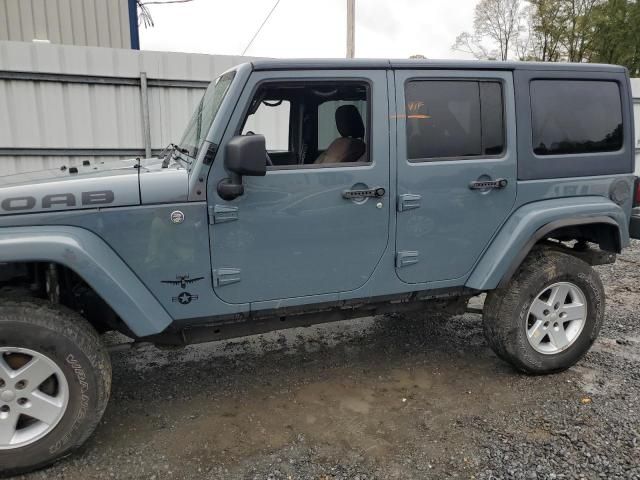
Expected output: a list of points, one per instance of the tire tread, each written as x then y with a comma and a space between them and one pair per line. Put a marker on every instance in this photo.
66, 322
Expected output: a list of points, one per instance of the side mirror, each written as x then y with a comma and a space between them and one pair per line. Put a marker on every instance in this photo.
243, 155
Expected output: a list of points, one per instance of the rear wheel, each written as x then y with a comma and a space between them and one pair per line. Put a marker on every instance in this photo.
549, 314
55, 379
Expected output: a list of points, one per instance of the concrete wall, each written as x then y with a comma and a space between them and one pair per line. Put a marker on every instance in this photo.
95, 23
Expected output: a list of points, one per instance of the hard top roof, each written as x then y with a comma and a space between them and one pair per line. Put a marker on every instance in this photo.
417, 64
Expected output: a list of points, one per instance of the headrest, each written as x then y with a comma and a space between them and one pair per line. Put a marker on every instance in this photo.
349, 121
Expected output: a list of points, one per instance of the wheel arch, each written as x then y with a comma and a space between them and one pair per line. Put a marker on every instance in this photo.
596, 220
89, 257
602, 230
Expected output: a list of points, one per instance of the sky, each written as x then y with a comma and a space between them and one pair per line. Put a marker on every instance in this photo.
310, 28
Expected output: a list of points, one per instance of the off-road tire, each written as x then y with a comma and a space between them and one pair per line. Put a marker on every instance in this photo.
506, 310
75, 347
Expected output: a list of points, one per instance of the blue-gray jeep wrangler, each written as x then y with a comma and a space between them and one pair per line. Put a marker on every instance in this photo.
313, 191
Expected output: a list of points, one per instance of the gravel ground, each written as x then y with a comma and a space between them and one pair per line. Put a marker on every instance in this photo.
376, 398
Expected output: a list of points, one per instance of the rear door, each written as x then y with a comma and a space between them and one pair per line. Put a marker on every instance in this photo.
456, 169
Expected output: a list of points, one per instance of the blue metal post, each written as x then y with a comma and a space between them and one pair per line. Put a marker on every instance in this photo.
133, 24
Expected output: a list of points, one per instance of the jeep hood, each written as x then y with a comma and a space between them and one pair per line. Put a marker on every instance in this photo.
112, 183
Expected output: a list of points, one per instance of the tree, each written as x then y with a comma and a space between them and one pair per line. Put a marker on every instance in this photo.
546, 23
496, 26
578, 17
616, 37
587, 31
606, 31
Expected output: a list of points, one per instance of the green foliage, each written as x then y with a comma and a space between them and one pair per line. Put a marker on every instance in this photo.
606, 31
616, 34
587, 31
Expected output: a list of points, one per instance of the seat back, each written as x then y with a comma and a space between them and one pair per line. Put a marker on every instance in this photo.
349, 147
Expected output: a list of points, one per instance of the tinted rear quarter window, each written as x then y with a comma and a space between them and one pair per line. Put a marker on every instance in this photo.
453, 119
575, 116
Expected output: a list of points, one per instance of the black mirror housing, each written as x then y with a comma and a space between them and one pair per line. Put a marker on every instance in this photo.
246, 155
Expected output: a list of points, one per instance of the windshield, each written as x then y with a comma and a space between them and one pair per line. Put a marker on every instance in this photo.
205, 113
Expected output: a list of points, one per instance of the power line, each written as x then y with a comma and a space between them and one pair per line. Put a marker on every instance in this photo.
260, 28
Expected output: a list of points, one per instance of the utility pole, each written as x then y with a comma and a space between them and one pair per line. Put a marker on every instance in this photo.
351, 28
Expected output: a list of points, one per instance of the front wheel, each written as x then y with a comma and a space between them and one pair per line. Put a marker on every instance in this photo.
55, 379
549, 314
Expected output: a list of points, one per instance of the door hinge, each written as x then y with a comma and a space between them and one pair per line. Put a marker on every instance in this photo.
408, 201
406, 258
225, 276
222, 214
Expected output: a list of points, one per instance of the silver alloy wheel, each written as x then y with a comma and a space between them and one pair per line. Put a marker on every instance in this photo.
34, 395
556, 318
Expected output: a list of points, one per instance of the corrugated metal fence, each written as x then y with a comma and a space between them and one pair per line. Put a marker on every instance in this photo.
63, 104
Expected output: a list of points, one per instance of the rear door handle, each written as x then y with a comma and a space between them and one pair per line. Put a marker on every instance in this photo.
498, 183
375, 192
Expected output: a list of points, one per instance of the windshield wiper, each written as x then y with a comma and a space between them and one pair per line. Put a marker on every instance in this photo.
169, 153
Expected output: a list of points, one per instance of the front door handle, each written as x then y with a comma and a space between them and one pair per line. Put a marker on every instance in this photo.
498, 184
375, 192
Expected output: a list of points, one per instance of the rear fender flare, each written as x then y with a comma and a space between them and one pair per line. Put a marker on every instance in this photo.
532, 223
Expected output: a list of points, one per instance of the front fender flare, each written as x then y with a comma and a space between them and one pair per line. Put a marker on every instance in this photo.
533, 221
90, 257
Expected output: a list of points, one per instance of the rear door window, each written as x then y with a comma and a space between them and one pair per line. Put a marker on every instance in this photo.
575, 117
454, 119
492, 111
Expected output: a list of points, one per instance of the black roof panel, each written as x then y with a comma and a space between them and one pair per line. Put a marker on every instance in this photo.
415, 64
320, 64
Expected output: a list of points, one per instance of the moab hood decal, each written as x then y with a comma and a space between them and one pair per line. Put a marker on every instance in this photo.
111, 184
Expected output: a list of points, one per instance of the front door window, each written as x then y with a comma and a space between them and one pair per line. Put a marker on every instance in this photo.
311, 125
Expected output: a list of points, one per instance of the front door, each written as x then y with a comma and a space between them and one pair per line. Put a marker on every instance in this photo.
311, 226
456, 169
